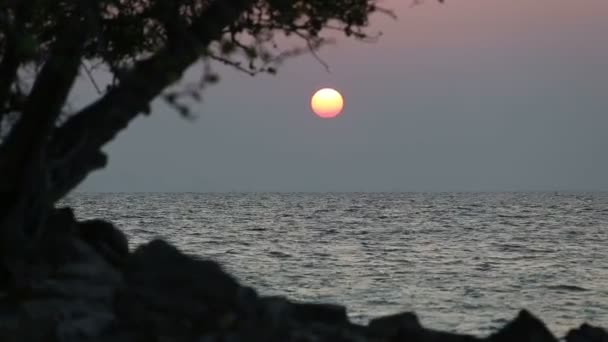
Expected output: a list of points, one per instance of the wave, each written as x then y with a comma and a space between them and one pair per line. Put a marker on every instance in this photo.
565, 287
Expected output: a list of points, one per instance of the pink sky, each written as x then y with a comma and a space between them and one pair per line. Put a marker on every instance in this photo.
468, 95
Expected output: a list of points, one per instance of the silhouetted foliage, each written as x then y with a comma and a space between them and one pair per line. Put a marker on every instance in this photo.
46, 150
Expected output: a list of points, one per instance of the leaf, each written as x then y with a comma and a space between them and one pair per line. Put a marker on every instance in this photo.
251, 53
212, 78
227, 47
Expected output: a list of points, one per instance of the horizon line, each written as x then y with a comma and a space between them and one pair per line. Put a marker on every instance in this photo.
335, 191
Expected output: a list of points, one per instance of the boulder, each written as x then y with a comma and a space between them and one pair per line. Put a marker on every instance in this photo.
84, 276
84, 285
524, 328
108, 240
318, 312
69, 298
170, 293
406, 327
587, 333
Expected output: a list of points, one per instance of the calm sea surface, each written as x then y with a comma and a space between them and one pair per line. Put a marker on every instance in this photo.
463, 262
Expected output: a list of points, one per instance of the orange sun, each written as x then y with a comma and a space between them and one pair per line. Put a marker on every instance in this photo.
327, 103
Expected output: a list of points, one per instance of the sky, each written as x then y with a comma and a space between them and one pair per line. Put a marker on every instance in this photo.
471, 95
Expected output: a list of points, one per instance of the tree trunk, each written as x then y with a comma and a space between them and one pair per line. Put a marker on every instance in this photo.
25, 189
40, 163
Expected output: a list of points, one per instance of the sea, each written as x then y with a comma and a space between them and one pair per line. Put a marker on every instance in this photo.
465, 262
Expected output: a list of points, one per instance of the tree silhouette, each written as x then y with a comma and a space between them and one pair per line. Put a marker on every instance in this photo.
46, 150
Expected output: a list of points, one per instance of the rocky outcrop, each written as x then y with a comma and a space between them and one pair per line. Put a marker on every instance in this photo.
587, 333
86, 286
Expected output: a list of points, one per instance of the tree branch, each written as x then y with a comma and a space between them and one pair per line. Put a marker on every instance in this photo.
101, 121
23, 190
10, 62
8, 72
91, 78
44, 102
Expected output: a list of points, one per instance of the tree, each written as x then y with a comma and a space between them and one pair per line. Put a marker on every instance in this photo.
46, 150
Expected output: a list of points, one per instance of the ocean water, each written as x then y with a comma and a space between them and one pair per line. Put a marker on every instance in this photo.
464, 262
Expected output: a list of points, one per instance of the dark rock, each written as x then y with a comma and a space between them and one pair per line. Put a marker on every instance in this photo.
525, 327
587, 333
5, 276
108, 240
115, 334
24, 329
278, 308
428, 335
69, 268
89, 277
71, 320
60, 224
9, 319
61, 221
406, 327
69, 299
248, 301
390, 326
83, 285
279, 319
85, 327
158, 266
84, 290
46, 248
55, 243
169, 293
86, 265
273, 319
316, 312
95, 271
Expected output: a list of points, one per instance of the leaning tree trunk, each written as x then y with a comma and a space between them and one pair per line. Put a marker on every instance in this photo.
41, 162
24, 190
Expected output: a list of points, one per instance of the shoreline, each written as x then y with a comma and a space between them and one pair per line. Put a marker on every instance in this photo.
85, 285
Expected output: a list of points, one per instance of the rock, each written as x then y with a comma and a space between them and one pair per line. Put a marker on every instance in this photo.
278, 308
248, 301
5, 276
316, 312
406, 327
84, 285
56, 244
96, 271
69, 298
108, 240
71, 319
80, 328
272, 321
67, 255
390, 326
275, 308
169, 293
9, 319
116, 334
158, 266
525, 327
76, 289
61, 222
87, 277
282, 320
28, 330
587, 333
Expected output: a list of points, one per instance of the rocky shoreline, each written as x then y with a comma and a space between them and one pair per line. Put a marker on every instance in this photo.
85, 285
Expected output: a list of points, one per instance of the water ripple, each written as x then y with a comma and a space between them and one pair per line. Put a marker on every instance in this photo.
462, 261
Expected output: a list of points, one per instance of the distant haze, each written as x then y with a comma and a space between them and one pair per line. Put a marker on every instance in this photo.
471, 95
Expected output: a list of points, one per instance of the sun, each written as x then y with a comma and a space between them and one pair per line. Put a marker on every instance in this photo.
327, 103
